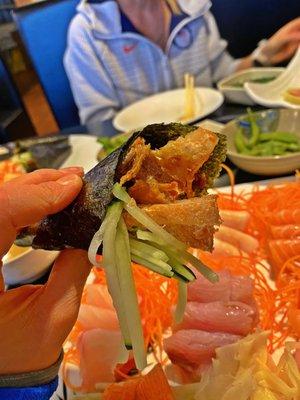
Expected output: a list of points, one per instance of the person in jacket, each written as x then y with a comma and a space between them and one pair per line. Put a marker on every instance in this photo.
120, 51
36, 319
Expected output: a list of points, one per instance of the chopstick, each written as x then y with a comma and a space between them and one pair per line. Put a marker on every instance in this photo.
189, 101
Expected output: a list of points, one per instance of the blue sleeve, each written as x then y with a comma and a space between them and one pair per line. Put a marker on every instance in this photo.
43, 392
92, 87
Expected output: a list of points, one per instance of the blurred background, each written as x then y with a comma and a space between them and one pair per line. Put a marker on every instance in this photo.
33, 40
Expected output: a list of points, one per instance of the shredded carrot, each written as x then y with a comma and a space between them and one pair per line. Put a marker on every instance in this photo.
275, 204
231, 177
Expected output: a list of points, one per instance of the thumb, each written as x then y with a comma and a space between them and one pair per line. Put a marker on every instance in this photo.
24, 203
63, 291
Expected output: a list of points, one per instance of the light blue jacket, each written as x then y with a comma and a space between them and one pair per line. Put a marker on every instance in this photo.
110, 65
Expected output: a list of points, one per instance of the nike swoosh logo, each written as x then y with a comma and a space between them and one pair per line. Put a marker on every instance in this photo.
129, 48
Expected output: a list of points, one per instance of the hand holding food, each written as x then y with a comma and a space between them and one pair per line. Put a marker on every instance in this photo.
146, 202
35, 320
282, 45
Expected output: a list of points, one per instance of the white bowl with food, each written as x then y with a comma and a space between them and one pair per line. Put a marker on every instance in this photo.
284, 91
23, 264
283, 121
233, 88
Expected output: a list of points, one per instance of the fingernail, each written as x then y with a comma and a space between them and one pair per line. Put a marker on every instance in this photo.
68, 180
72, 169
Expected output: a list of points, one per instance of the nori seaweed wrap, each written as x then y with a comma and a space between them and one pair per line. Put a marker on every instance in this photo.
75, 226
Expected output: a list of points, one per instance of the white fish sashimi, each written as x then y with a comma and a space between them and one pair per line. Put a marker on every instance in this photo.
235, 219
98, 295
222, 248
92, 317
98, 353
239, 239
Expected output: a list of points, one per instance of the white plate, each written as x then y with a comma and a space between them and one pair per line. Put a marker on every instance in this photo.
166, 107
84, 151
34, 263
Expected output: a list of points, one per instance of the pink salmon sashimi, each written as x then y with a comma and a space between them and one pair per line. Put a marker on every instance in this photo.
284, 217
195, 347
92, 317
222, 248
230, 317
98, 354
235, 219
285, 231
239, 239
98, 295
228, 288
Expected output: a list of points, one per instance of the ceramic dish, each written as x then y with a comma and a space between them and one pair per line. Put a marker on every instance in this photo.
270, 120
237, 94
272, 94
166, 107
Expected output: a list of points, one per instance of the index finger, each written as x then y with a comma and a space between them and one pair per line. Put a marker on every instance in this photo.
24, 203
45, 175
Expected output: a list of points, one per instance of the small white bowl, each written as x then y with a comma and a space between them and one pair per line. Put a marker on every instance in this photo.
238, 94
277, 120
271, 94
28, 266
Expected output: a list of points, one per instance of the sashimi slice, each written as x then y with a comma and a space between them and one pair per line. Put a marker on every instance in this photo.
239, 239
195, 347
98, 352
229, 287
154, 386
203, 291
281, 250
284, 217
285, 231
92, 317
235, 219
98, 295
121, 391
222, 248
230, 317
242, 288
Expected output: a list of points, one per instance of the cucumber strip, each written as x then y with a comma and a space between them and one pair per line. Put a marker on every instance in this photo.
148, 236
183, 257
181, 303
180, 278
163, 265
147, 249
113, 215
151, 266
129, 296
96, 243
141, 216
182, 270
123, 354
208, 273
